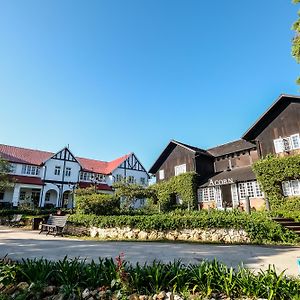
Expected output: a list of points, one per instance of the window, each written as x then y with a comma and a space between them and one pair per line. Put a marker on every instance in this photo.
291, 188
180, 169
130, 179
288, 143
47, 197
295, 141
278, 144
100, 177
206, 194
13, 168
30, 170
242, 190
251, 189
286, 188
143, 180
119, 178
68, 172
57, 170
85, 176
1, 196
22, 196
161, 174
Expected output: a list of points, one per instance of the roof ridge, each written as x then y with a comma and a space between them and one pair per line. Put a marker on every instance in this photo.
27, 148
226, 144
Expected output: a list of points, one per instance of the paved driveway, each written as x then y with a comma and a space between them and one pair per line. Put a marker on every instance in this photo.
18, 243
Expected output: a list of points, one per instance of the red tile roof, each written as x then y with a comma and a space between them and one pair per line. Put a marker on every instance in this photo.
23, 155
99, 187
26, 179
38, 157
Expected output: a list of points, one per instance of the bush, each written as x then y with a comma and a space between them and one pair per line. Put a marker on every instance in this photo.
98, 204
260, 228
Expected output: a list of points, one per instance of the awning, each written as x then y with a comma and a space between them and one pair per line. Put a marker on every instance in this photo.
231, 176
26, 179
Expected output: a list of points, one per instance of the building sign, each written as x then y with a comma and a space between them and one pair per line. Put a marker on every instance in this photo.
220, 181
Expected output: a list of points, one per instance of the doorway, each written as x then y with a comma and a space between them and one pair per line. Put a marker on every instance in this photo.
227, 197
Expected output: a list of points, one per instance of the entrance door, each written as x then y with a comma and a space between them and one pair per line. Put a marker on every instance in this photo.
226, 193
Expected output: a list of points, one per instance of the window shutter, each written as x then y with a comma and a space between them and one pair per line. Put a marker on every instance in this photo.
295, 141
279, 146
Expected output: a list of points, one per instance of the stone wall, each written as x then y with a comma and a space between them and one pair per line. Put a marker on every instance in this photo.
200, 235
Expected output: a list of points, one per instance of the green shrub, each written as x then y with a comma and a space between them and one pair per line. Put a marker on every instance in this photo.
96, 203
260, 228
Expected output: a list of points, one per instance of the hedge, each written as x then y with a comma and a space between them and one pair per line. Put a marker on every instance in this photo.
259, 227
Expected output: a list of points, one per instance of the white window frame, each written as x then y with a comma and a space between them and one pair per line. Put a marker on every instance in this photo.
13, 168
295, 139
161, 174
68, 172
57, 170
130, 179
278, 145
30, 170
207, 194
249, 188
180, 169
291, 188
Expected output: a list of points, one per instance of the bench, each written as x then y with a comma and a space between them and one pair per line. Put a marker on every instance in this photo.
55, 225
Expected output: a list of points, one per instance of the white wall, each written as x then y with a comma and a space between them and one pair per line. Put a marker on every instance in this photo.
50, 168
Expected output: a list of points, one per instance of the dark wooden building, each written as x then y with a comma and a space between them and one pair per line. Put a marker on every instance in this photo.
225, 172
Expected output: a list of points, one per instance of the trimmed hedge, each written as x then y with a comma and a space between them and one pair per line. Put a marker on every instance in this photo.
260, 228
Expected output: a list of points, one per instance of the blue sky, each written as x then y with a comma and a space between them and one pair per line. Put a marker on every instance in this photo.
110, 77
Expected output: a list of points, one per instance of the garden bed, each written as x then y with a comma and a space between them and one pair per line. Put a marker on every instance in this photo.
109, 279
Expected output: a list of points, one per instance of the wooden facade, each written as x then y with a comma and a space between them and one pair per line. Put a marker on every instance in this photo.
225, 171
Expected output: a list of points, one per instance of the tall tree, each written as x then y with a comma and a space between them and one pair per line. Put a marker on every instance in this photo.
4, 170
296, 39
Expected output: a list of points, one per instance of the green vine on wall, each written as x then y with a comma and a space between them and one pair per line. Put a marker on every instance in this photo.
272, 171
183, 185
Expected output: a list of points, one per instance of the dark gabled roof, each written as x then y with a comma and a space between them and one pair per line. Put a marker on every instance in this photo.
170, 147
276, 108
231, 147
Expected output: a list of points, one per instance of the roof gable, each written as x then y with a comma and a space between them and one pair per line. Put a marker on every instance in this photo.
101, 167
282, 102
169, 148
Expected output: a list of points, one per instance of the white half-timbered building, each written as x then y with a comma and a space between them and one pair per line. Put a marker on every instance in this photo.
48, 179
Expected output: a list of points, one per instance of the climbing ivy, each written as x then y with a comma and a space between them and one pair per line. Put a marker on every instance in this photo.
184, 186
271, 171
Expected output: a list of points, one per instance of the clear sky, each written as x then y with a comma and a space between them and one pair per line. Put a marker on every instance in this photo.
111, 77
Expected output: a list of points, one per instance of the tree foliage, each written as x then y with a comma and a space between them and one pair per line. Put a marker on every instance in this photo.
131, 192
296, 39
4, 170
90, 202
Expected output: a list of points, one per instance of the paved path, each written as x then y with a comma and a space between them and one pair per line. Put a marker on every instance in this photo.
18, 243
